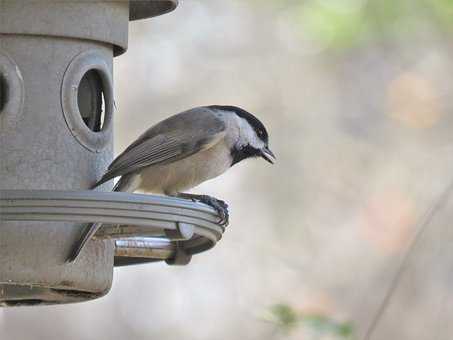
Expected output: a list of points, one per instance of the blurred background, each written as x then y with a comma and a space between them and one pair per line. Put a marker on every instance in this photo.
348, 235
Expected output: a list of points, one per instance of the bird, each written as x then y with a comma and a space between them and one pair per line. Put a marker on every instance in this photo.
183, 151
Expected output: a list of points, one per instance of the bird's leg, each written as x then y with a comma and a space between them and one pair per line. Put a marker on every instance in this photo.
220, 206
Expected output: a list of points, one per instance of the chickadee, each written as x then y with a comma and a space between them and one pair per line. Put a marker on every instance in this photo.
183, 151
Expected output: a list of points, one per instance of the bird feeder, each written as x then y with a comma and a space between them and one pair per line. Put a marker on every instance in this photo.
56, 108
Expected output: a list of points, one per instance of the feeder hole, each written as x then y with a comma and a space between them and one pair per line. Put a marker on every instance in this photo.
3, 92
91, 100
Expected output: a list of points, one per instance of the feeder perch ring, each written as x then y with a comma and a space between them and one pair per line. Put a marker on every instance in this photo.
145, 228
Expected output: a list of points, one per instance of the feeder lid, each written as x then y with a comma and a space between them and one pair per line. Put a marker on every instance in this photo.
143, 9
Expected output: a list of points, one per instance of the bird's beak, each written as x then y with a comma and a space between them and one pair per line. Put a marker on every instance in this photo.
268, 155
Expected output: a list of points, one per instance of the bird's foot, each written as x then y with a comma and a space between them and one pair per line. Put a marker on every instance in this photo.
221, 207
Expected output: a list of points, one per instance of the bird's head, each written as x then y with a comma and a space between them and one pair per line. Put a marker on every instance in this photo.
253, 139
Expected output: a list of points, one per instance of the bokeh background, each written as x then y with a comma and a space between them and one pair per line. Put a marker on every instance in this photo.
348, 235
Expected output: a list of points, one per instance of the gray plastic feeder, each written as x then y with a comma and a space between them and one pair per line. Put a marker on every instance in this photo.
56, 107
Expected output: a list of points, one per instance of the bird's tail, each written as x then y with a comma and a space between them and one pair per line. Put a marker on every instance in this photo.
127, 183
88, 232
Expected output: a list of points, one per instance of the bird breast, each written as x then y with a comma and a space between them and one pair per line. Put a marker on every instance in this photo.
182, 175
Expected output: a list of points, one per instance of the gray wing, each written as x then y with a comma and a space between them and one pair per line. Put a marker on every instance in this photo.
174, 138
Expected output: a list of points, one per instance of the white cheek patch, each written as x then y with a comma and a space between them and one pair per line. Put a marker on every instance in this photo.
247, 135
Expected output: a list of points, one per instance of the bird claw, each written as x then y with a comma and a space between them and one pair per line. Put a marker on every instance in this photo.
221, 207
